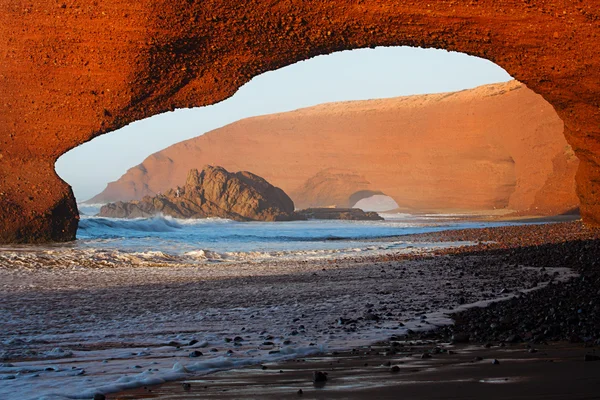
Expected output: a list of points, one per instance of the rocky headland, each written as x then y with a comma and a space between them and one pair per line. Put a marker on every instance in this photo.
212, 192
348, 214
494, 147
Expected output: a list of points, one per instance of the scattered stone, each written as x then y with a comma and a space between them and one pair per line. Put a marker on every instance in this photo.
319, 377
196, 353
346, 321
300, 392
186, 386
192, 342
496, 362
460, 338
371, 317
513, 339
99, 396
395, 369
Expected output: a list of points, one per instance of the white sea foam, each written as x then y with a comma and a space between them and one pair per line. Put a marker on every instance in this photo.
101, 312
69, 257
93, 329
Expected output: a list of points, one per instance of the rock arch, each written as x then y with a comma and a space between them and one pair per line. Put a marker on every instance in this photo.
361, 195
73, 70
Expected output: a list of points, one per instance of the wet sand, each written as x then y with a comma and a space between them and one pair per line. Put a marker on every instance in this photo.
556, 371
540, 339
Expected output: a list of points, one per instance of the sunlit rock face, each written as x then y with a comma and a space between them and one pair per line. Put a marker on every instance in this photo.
498, 146
73, 70
212, 192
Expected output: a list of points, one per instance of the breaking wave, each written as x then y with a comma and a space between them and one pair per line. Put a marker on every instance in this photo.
67, 258
158, 223
164, 240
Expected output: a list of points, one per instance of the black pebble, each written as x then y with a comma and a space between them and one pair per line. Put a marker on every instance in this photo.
319, 376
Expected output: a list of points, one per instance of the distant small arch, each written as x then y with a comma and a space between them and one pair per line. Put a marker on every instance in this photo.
373, 201
362, 194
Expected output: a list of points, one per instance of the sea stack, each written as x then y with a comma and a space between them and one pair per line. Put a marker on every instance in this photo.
212, 192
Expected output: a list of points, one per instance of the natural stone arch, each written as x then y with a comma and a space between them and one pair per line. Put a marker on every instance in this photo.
361, 195
73, 70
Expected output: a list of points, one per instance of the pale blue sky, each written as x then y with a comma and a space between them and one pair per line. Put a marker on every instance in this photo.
349, 75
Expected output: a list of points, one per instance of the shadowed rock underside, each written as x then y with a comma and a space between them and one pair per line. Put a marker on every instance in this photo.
73, 70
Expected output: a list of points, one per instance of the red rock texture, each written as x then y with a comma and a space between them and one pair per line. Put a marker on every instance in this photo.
494, 147
72, 70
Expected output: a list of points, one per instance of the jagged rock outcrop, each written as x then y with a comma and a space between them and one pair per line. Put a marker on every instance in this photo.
212, 192
73, 70
496, 146
348, 214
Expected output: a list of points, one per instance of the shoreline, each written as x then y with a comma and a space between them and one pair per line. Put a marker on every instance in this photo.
502, 260
414, 370
541, 338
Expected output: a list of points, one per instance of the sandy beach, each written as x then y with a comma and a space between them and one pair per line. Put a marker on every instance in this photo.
124, 328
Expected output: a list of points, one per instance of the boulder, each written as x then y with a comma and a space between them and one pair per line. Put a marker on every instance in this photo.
212, 192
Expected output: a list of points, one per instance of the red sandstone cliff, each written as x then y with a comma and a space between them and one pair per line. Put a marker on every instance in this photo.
71, 71
496, 146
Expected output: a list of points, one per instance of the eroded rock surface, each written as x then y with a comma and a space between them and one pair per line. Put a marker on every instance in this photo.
73, 70
212, 192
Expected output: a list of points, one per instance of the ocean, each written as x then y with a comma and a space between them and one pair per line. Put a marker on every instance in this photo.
220, 240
